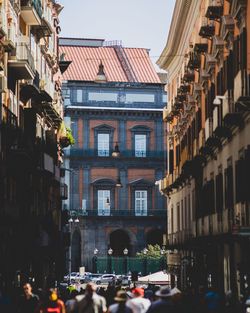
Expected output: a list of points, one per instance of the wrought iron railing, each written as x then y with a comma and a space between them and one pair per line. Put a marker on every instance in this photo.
79, 152
122, 213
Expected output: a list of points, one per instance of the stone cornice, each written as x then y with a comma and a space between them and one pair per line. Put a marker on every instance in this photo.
181, 28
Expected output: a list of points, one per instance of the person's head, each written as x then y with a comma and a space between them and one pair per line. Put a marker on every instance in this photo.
164, 293
27, 289
90, 289
53, 296
121, 296
138, 292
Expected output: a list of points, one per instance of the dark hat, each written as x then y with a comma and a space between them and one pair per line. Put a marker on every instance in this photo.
164, 292
121, 296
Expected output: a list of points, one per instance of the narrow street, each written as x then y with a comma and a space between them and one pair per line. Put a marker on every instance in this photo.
124, 156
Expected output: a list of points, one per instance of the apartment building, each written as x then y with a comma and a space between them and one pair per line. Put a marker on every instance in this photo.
31, 114
207, 142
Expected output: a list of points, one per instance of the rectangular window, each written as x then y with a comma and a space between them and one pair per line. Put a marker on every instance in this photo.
140, 145
141, 202
79, 95
103, 96
103, 197
133, 97
103, 145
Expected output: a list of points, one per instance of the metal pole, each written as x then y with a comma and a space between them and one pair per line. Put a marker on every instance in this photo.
70, 229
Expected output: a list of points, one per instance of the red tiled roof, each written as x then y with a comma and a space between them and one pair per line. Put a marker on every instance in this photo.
86, 60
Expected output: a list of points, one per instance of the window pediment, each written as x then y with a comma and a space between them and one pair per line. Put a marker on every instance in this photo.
140, 128
140, 183
104, 128
103, 182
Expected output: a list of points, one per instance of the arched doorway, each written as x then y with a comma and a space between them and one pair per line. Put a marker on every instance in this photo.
119, 240
155, 237
76, 251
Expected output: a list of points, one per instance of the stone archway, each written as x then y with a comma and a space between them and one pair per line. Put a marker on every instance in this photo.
155, 237
75, 251
119, 240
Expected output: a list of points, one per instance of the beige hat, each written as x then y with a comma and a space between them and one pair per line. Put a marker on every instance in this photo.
121, 296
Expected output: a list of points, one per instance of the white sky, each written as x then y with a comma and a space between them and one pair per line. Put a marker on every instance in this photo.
138, 23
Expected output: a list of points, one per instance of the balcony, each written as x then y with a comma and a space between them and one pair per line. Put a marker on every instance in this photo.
124, 213
9, 119
242, 104
197, 91
200, 48
64, 191
207, 29
210, 63
53, 111
9, 42
22, 65
194, 61
184, 88
16, 5
3, 22
208, 128
47, 88
166, 112
47, 21
92, 153
214, 10
230, 116
189, 76
31, 12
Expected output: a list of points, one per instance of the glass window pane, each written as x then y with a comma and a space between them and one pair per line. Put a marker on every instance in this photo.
140, 145
103, 206
141, 202
137, 97
103, 144
103, 96
79, 95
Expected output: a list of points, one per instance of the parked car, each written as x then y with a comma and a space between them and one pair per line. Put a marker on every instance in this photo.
104, 279
83, 278
126, 280
73, 275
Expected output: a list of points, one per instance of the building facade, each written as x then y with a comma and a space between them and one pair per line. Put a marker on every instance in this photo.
207, 118
31, 113
112, 191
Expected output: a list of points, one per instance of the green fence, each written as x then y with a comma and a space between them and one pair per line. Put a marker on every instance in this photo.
122, 265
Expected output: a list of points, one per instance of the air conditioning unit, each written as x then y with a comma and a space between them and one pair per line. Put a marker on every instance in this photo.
3, 83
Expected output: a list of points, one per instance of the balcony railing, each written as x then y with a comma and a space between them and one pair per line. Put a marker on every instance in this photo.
47, 19
64, 191
79, 152
23, 53
9, 118
31, 11
47, 86
124, 213
3, 22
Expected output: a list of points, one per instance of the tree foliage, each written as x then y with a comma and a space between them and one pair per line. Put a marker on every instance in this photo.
154, 251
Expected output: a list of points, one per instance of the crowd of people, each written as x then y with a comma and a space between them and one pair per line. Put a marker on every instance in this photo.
117, 299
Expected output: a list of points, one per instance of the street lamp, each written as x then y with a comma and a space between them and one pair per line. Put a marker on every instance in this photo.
125, 252
116, 153
71, 221
110, 252
95, 260
163, 253
145, 252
